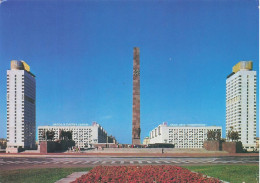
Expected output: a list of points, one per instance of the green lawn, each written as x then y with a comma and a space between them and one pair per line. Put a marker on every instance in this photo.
44, 175
230, 173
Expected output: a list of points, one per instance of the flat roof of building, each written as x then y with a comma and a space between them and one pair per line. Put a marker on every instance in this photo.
188, 125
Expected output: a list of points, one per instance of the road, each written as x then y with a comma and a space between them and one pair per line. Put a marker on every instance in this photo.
9, 163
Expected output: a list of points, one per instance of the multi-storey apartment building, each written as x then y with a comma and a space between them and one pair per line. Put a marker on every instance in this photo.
241, 103
21, 96
146, 141
84, 136
182, 135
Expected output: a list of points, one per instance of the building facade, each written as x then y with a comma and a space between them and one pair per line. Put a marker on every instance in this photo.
84, 136
146, 141
182, 136
21, 96
241, 103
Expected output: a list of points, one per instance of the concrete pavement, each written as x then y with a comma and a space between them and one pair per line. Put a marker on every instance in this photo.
9, 163
183, 154
71, 177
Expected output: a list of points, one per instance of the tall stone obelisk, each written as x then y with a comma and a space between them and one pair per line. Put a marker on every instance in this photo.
136, 130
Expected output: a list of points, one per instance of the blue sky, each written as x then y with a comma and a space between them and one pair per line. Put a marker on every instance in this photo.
82, 55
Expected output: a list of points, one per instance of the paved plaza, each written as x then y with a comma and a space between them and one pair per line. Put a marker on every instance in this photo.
8, 163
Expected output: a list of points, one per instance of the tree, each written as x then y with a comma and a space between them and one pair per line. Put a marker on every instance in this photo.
213, 135
62, 135
234, 135
229, 134
3, 143
69, 135
44, 134
218, 135
66, 135
50, 135
210, 135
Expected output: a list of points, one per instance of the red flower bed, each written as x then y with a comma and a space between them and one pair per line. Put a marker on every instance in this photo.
144, 174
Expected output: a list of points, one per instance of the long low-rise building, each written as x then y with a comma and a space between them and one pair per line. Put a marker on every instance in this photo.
83, 135
182, 135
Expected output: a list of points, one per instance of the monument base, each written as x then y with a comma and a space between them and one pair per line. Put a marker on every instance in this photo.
136, 141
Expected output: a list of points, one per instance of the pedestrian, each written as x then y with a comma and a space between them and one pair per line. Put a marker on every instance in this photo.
162, 150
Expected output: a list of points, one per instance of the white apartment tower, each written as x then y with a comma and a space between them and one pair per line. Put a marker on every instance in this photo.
20, 106
241, 103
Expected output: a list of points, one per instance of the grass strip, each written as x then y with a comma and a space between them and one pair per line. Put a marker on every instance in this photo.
229, 173
41, 175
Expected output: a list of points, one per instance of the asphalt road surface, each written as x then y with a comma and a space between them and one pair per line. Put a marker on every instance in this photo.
9, 163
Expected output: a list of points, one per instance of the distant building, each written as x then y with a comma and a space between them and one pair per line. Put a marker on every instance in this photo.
182, 136
111, 139
3, 143
84, 136
241, 103
146, 141
21, 90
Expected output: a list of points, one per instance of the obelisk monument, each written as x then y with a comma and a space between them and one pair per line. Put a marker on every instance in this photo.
136, 130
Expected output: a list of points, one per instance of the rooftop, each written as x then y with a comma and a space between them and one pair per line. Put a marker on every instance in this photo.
188, 125
21, 65
243, 65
